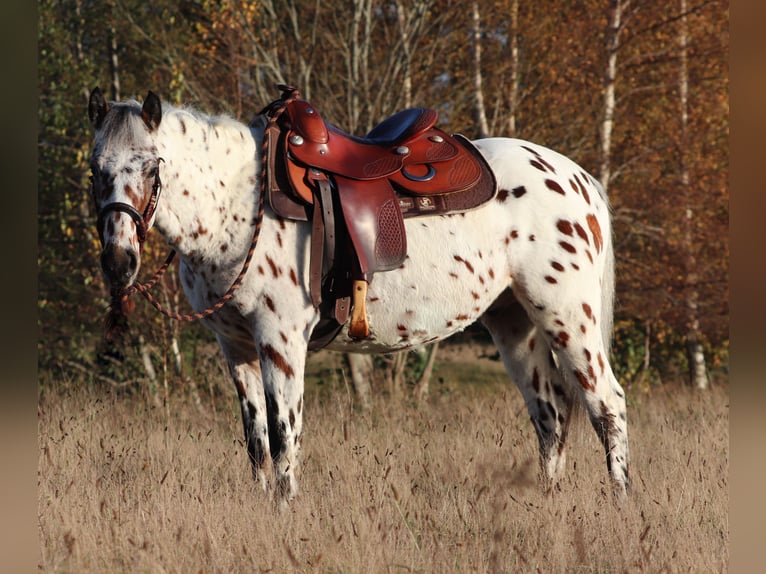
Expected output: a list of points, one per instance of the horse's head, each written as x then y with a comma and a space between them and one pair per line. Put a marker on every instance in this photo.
125, 181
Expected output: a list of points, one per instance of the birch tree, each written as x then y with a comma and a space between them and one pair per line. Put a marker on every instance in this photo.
696, 356
618, 8
482, 127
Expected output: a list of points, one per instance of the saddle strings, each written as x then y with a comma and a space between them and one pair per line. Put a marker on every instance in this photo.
116, 320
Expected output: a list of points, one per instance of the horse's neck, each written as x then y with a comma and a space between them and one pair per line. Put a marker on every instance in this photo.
209, 183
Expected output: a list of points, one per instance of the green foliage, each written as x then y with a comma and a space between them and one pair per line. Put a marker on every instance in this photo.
646, 354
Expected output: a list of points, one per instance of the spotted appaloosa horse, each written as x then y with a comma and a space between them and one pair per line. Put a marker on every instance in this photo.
535, 266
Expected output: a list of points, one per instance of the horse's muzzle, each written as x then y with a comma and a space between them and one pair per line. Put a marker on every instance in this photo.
119, 265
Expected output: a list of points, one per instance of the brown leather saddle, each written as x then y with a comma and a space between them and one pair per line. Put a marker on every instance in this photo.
357, 192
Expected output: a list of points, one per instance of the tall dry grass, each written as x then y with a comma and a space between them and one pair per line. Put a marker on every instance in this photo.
450, 486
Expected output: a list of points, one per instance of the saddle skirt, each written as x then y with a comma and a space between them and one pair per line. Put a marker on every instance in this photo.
357, 192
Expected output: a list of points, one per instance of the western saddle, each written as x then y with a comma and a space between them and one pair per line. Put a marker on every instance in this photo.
357, 192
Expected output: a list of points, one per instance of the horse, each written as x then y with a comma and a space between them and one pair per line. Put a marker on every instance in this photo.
534, 266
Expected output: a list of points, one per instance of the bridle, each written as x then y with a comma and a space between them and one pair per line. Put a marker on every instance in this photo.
142, 221
116, 320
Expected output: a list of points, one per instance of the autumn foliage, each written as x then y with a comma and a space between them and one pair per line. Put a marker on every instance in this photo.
361, 60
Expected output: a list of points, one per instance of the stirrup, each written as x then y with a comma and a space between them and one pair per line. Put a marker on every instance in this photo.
359, 328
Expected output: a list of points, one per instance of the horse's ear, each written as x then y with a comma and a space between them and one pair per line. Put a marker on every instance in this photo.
151, 112
97, 108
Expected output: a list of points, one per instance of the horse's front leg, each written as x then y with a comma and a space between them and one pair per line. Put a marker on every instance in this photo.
245, 370
283, 360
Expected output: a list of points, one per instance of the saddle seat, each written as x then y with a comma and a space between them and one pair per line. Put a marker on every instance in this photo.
357, 191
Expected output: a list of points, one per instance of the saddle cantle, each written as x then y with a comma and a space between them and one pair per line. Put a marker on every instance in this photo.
357, 191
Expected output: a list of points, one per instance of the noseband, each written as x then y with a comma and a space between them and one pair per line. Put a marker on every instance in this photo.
141, 220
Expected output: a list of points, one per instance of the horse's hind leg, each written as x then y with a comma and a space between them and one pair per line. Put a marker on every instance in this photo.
245, 370
571, 323
527, 359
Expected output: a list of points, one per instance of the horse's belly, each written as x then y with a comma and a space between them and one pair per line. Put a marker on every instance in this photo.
455, 269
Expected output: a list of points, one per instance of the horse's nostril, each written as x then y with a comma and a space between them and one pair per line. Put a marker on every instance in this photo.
119, 265
132, 261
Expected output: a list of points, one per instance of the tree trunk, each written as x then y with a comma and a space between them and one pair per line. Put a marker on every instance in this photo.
481, 114
360, 368
610, 77
513, 99
697, 369
421, 387
114, 64
358, 65
406, 56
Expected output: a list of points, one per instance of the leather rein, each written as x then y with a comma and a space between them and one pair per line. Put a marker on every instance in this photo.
116, 321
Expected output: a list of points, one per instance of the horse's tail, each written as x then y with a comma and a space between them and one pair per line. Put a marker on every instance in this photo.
607, 281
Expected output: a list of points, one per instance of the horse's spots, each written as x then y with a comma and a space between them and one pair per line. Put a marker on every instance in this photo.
564, 227
581, 232
502, 195
536, 164
588, 310
557, 266
532, 237
475, 295
562, 339
183, 126
273, 266
567, 247
464, 262
584, 382
519, 191
574, 186
595, 229
270, 303
292, 420
554, 186
224, 247
600, 360
588, 255
583, 330
532, 342
293, 277
491, 273
276, 358
575, 266
514, 233
461, 317
550, 279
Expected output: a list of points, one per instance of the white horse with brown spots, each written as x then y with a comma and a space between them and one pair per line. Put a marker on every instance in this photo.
535, 266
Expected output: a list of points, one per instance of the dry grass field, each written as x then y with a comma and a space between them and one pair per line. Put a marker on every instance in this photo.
446, 486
